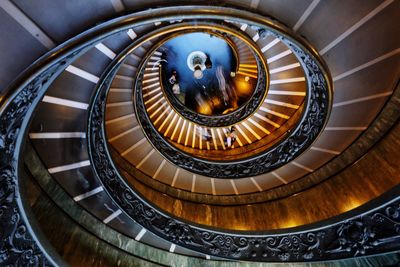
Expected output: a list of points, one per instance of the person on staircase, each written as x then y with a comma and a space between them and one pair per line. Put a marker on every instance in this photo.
173, 80
230, 136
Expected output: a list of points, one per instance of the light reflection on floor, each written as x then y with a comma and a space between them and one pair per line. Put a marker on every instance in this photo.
217, 92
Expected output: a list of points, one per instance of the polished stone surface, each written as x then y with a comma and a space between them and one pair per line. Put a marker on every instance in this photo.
84, 241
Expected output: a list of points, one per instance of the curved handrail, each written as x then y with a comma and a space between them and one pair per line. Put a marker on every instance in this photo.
24, 246
313, 242
315, 114
343, 237
224, 120
347, 237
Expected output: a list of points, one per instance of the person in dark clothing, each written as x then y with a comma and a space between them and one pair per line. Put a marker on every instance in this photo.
208, 63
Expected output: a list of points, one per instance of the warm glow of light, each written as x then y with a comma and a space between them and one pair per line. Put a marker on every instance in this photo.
350, 203
241, 227
247, 78
204, 109
216, 101
226, 111
243, 88
291, 222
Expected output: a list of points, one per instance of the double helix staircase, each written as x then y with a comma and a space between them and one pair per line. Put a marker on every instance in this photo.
364, 76
285, 96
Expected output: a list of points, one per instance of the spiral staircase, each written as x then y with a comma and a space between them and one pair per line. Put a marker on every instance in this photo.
103, 165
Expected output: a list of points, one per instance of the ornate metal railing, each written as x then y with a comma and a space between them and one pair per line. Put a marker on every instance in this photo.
315, 114
374, 229
231, 118
337, 240
19, 243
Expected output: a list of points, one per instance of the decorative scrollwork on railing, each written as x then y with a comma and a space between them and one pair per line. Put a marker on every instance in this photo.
317, 108
236, 116
375, 231
371, 232
19, 246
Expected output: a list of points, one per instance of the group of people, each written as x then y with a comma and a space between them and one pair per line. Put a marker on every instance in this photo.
230, 136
